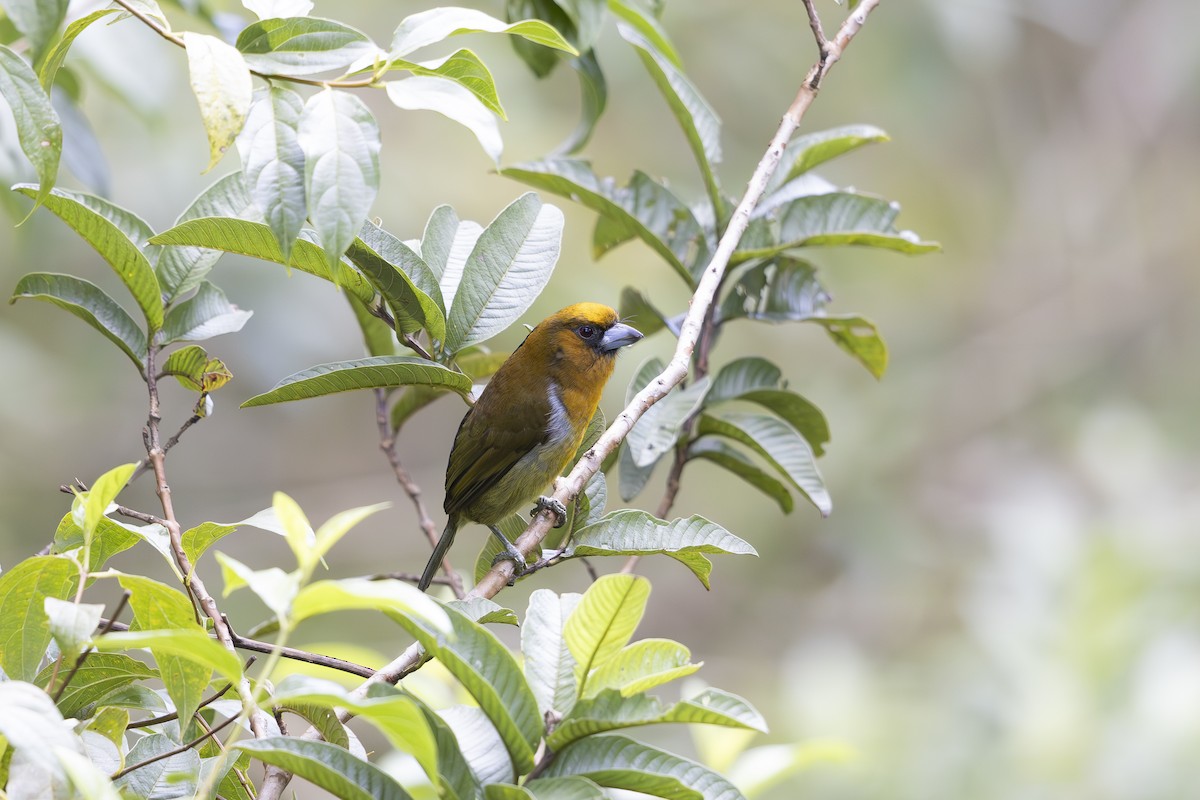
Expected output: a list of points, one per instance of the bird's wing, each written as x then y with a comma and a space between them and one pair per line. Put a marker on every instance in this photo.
484, 453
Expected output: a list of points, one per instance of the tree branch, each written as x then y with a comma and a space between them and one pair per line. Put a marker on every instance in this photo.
183, 748
275, 779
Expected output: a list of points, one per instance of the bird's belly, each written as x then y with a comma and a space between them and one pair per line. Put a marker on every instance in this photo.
524, 483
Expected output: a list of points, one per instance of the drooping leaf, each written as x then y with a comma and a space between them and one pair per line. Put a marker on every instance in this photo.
507, 269
549, 665
327, 766
91, 304
340, 140
621, 763
427, 27
24, 629
464, 68
630, 532
453, 100
593, 93
117, 235
297, 46
541, 61
635, 15
39, 131
603, 621
403, 278
273, 162
859, 337
779, 443
206, 314
256, 240
221, 83
758, 381
710, 448
362, 373
743, 375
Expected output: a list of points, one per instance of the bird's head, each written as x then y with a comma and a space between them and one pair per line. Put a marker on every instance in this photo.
582, 336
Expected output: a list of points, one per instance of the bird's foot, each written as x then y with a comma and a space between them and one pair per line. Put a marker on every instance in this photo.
511, 553
560, 511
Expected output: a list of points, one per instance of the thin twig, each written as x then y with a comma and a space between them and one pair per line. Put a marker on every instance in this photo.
408, 577
183, 748
387, 443
79, 661
145, 723
275, 779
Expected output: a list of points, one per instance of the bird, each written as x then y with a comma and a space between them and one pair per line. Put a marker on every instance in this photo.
528, 422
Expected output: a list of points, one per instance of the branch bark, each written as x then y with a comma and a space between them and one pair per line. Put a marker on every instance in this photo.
275, 779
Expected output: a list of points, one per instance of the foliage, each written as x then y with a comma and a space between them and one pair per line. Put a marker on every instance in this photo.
92, 706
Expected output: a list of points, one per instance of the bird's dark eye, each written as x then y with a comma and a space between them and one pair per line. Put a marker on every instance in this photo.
586, 331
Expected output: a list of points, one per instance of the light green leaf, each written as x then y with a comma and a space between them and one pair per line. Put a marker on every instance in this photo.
569, 788
761, 768
402, 277
337, 526
506, 271
98, 676
464, 68
190, 644
631, 532
710, 448
71, 624
656, 431
38, 128
327, 766
91, 304
340, 139
438, 239
397, 599
109, 539
695, 116
198, 539
812, 149
363, 373
779, 443
31, 724
204, 315
180, 269
194, 370
24, 629
273, 162
427, 27
38, 20
297, 45
717, 707
297, 532
222, 86
621, 763
859, 337
450, 99
641, 666
276, 588
256, 240
173, 776
485, 611
603, 621
103, 492
574, 179
117, 235
549, 665
488, 670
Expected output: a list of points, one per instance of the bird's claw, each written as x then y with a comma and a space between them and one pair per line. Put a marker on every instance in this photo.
514, 555
560, 511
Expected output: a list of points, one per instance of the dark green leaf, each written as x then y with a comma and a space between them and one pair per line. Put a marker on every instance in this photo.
638, 311
632, 532
455, 778
403, 278
363, 373
593, 93
741, 376
812, 149
327, 766
621, 763
273, 162
859, 337
777, 291
540, 61
340, 140
302, 45
323, 718
778, 442
256, 239
90, 303
24, 629
799, 412
206, 314
713, 449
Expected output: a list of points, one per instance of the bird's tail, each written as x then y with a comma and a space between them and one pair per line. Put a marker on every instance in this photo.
439, 553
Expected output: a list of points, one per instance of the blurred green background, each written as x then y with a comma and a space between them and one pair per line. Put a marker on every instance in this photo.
1004, 601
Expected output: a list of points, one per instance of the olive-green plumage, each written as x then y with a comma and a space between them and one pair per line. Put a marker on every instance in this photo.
529, 420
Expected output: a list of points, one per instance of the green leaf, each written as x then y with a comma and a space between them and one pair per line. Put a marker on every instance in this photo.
71, 624
455, 778
464, 68
55, 57
38, 20
549, 665
812, 149
109, 722
574, 179
256, 240
717, 707
180, 269
428, 27
221, 83
569, 788
621, 763
777, 291
695, 116
741, 376
593, 91
779, 443
206, 314
403, 278
340, 140
108, 229
396, 599
632, 478
323, 718
438, 240
31, 724
198, 539
636, 15
328, 766
109, 539
507, 269
488, 670
276, 588
630, 532
710, 448
799, 412
39, 131
98, 676
859, 337
450, 99
190, 644
761, 768
603, 621
378, 336
157, 607
640, 312
656, 431
363, 373
641, 666
103, 492
91, 304
485, 611
479, 746
273, 162
540, 61
298, 46
194, 370
758, 381
173, 776
24, 629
